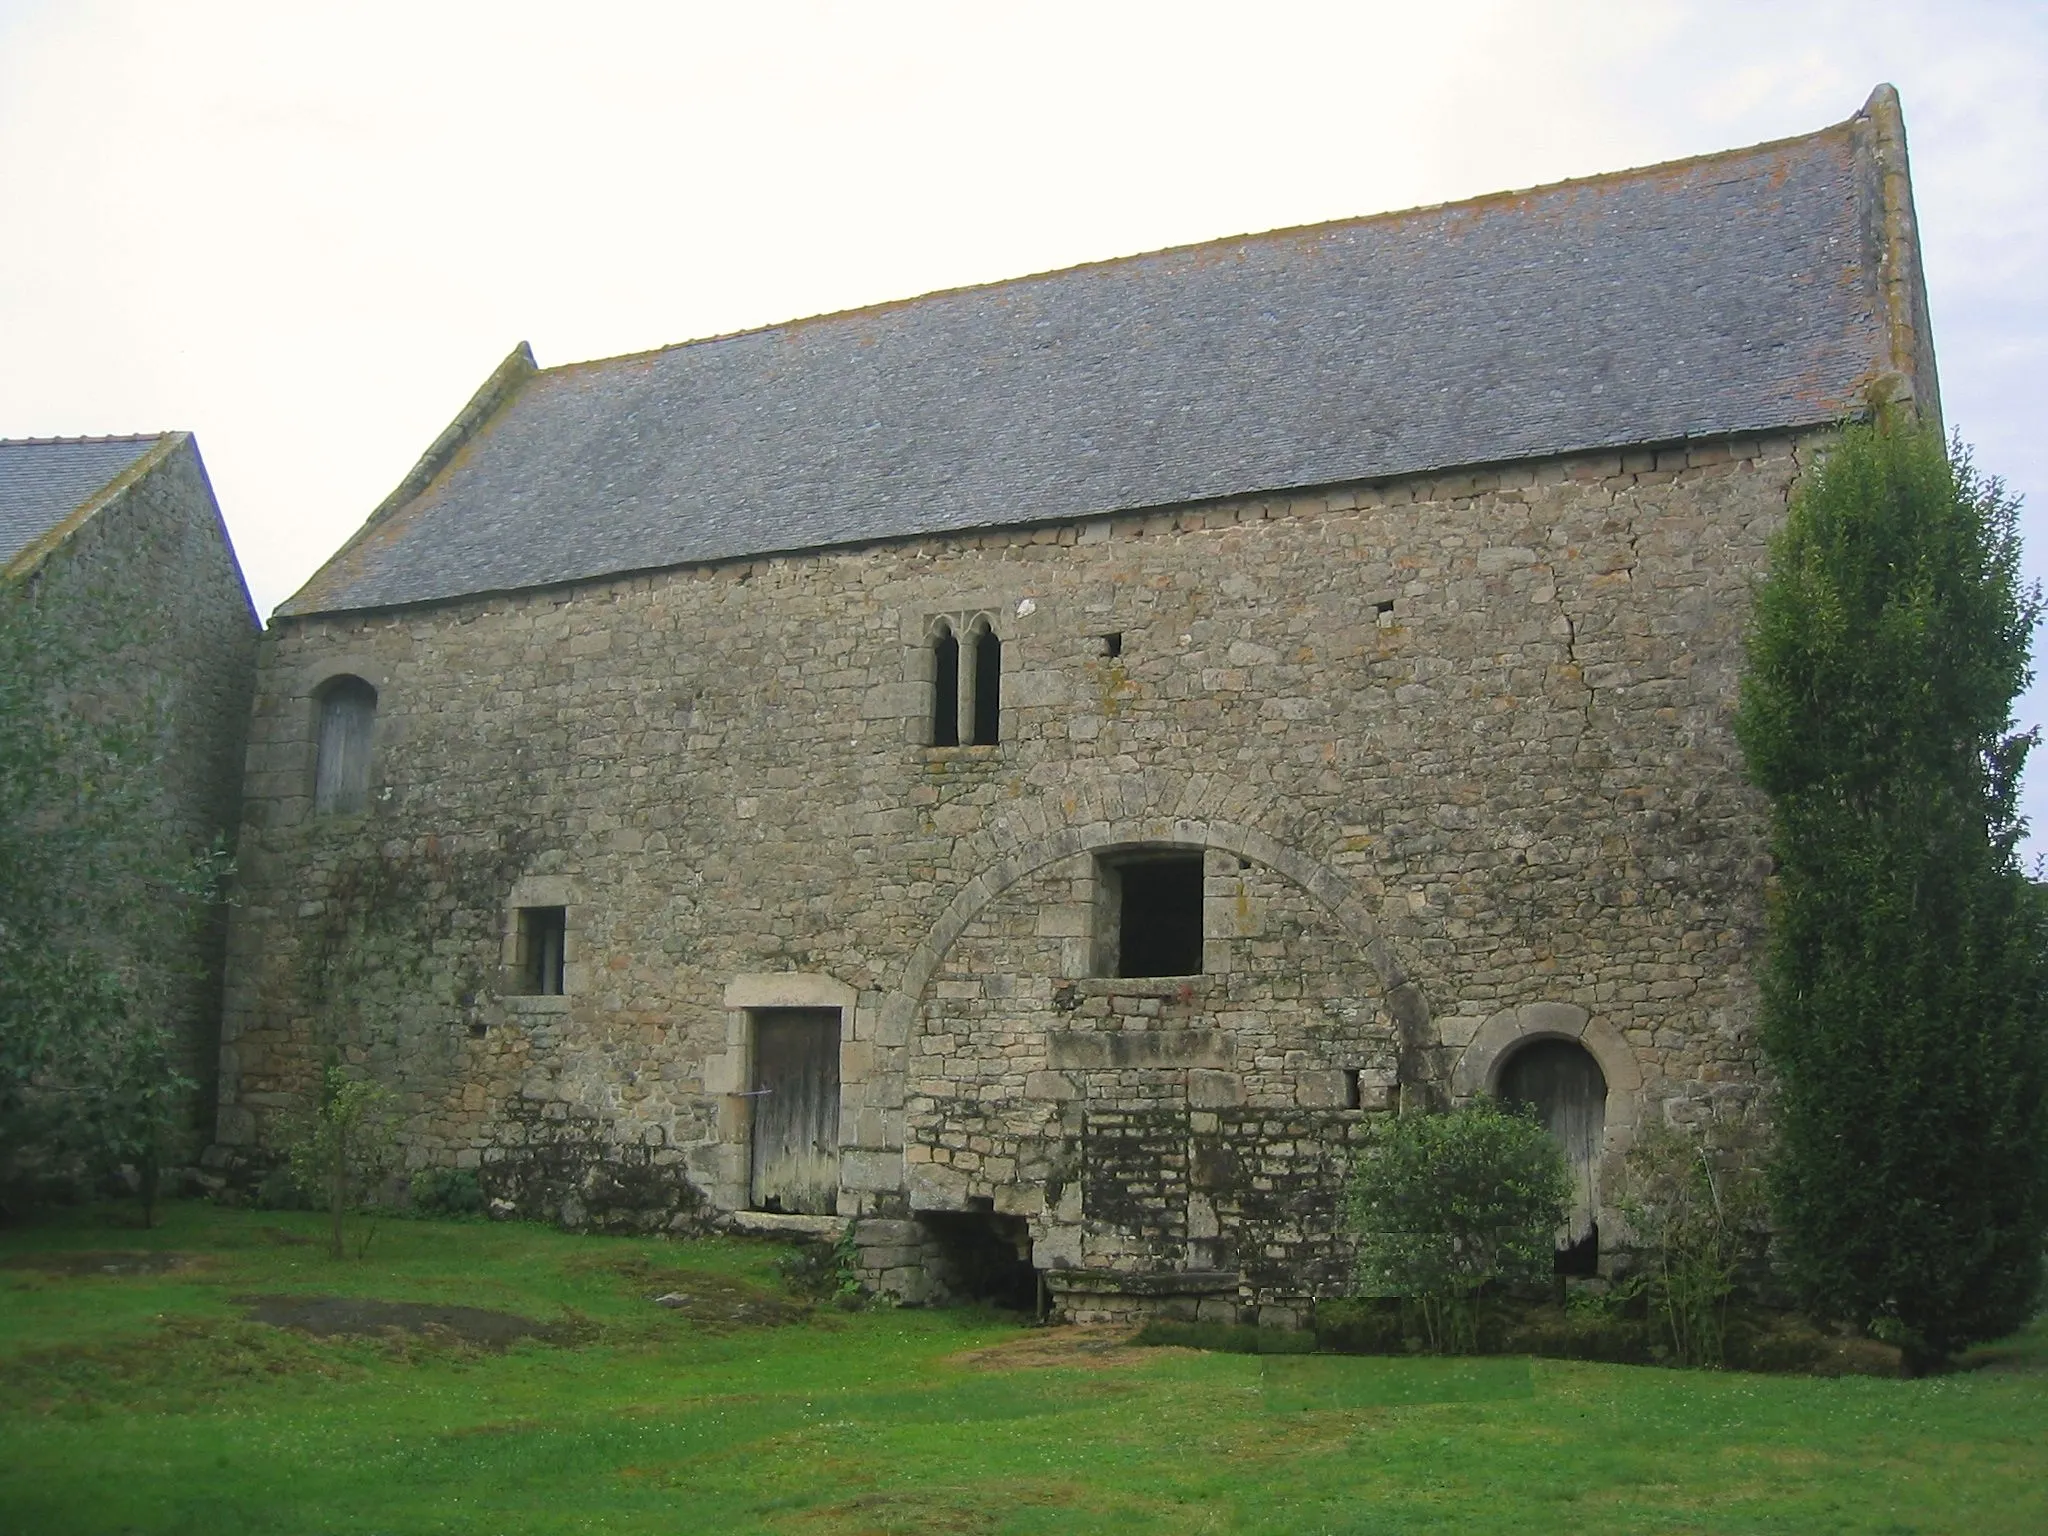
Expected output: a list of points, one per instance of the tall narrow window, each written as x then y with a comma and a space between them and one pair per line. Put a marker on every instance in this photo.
945, 686
341, 771
543, 932
988, 686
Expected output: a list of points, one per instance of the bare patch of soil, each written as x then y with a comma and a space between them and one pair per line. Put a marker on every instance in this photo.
361, 1317
939, 1512
714, 1300
102, 1262
1090, 1346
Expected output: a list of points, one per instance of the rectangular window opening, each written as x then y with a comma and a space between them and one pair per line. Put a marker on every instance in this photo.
945, 689
988, 688
1113, 643
1153, 911
1351, 1099
541, 940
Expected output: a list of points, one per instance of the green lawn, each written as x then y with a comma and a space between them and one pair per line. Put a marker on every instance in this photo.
137, 1402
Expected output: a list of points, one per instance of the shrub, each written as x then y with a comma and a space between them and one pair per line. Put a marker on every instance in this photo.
1695, 1226
342, 1147
1903, 999
1362, 1325
279, 1190
1447, 1205
446, 1192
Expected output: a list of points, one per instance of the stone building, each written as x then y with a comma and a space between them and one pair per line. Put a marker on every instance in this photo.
121, 541
1033, 768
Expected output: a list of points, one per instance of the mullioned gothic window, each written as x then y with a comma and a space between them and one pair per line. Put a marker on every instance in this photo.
967, 685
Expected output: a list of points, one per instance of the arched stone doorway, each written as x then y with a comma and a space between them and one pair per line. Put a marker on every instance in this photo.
1484, 1066
1563, 1084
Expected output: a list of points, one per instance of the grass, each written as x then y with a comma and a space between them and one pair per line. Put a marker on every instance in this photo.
150, 1403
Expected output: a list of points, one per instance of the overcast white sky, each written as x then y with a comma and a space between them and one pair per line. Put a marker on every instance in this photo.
308, 231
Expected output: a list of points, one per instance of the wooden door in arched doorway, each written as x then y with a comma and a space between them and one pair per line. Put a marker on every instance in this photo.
1562, 1082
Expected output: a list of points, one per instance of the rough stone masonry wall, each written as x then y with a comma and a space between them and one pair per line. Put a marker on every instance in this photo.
1471, 731
1160, 1124
149, 588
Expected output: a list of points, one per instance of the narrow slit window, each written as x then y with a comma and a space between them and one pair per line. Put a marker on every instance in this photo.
543, 935
988, 686
341, 769
945, 687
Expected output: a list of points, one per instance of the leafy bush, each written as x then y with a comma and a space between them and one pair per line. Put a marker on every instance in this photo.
279, 1190
446, 1192
1364, 1325
1903, 994
1446, 1206
1695, 1226
342, 1147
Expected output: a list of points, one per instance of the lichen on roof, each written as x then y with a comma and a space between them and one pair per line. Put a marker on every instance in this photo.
1730, 293
45, 480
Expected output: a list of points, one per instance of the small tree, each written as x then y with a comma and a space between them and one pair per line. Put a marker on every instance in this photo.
1695, 1226
1902, 1001
1446, 1206
342, 1147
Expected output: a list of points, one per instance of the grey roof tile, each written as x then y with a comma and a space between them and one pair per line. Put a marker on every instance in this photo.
1728, 294
43, 480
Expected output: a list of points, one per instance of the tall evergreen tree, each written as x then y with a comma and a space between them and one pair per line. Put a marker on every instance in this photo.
1903, 998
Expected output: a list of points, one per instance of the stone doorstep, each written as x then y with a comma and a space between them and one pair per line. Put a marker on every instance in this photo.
770, 1224
1169, 1282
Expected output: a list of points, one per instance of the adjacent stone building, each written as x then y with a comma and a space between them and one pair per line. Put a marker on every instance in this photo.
120, 541
1034, 768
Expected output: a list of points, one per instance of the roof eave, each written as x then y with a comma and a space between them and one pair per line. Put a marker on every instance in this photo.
1818, 423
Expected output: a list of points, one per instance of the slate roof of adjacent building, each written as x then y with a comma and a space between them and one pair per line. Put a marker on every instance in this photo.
43, 480
1732, 293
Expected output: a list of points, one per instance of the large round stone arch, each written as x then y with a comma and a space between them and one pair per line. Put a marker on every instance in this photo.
1329, 889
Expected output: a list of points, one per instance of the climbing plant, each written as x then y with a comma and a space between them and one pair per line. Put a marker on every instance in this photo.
1902, 1009
1696, 1222
97, 905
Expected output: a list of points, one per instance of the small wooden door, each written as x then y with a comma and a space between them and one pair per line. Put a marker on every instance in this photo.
1562, 1082
796, 1111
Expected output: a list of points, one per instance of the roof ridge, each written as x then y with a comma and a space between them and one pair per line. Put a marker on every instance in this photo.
1385, 216
112, 437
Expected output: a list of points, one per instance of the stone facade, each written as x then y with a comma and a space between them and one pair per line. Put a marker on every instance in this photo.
1455, 753
146, 582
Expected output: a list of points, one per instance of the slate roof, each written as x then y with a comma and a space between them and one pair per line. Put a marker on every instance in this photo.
1733, 293
43, 480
